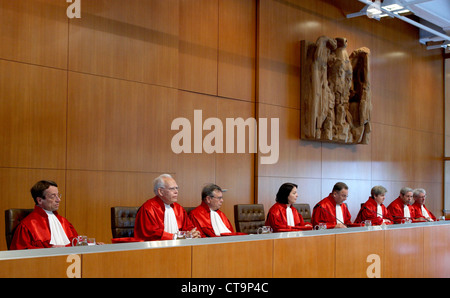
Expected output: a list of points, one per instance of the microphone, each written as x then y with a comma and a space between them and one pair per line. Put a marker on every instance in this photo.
401, 217
381, 215
318, 204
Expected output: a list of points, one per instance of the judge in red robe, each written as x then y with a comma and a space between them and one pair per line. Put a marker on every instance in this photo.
161, 217
282, 216
373, 209
207, 218
400, 209
332, 210
44, 227
421, 212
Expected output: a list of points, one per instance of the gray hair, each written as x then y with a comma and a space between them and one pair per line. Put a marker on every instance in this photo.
418, 191
405, 189
377, 190
159, 182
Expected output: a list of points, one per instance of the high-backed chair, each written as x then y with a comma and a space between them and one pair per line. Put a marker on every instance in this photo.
122, 221
249, 217
304, 210
12, 219
189, 209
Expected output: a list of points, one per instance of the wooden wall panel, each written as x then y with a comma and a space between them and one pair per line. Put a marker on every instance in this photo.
392, 153
119, 125
339, 161
237, 49
233, 260
281, 26
34, 32
159, 263
296, 158
427, 84
404, 253
32, 116
46, 267
428, 155
133, 40
198, 45
352, 251
436, 254
234, 171
391, 85
313, 263
91, 194
193, 170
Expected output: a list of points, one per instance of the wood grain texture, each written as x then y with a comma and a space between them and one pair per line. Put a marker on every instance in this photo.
251, 259
353, 250
237, 49
149, 263
404, 253
32, 116
315, 257
436, 253
46, 267
34, 32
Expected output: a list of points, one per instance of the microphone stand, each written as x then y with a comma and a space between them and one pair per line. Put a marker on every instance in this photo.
381, 215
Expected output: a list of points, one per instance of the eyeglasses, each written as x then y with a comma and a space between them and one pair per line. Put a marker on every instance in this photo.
172, 188
54, 196
220, 198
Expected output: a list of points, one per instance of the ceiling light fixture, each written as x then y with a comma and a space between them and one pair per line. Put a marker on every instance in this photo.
377, 9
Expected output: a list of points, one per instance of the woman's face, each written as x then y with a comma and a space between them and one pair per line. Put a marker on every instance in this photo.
292, 198
379, 198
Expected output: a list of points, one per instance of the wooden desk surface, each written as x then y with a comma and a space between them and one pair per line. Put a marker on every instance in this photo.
412, 250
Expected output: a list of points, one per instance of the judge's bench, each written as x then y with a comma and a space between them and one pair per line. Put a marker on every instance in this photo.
404, 250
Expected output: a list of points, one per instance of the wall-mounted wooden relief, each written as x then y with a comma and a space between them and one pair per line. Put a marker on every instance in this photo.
335, 92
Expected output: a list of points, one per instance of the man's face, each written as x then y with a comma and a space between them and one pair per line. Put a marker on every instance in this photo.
420, 198
216, 201
407, 197
169, 194
51, 199
340, 196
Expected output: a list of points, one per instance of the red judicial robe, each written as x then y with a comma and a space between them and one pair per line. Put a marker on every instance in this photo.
34, 230
369, 212
396, 210
277, 219
201, 218
149, 224
418, 211
325, 212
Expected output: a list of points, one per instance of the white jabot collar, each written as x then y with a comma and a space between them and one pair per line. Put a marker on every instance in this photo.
58, 235
217, 224
170, 221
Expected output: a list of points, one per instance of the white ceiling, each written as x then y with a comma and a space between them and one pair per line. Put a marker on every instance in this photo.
436, 12
432, 17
